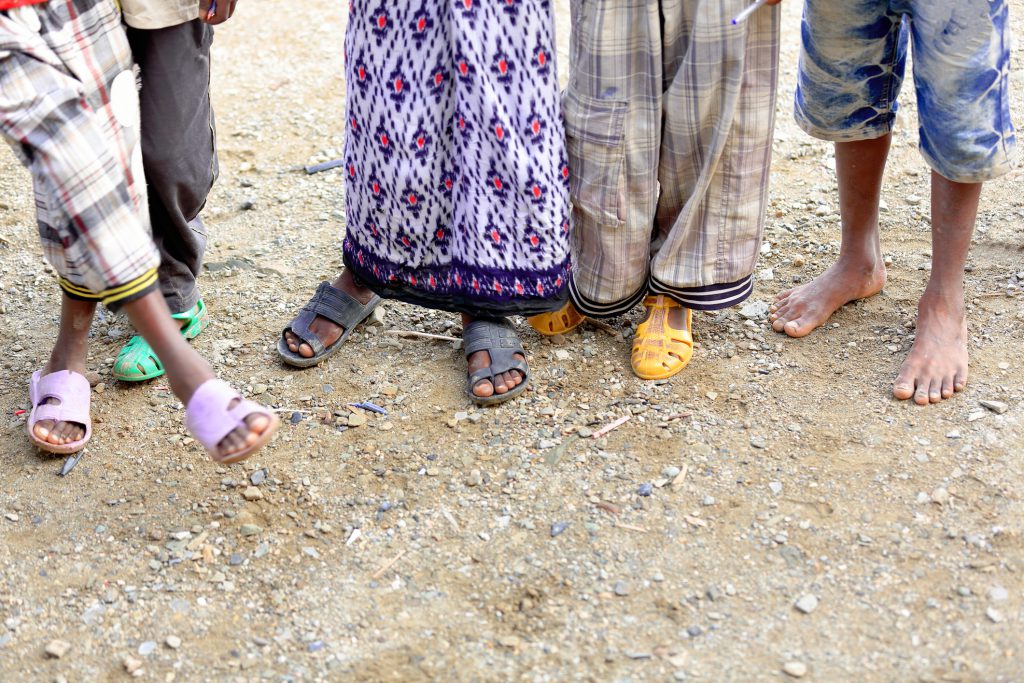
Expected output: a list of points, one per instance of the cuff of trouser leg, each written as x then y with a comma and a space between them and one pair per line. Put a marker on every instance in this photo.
178, 302
980, 174
114, 297
707, 297
856, 133
598, 310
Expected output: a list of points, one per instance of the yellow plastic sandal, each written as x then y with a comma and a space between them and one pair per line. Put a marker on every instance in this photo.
661, 351
566, 319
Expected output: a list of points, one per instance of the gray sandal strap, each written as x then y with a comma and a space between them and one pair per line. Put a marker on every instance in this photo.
300, 327
330, 303
498, 338
491, 336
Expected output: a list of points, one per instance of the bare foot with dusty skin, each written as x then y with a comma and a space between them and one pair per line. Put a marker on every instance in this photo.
801, 310
936, 367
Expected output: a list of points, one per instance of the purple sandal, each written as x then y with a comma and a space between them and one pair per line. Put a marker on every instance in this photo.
209, 419
73, 395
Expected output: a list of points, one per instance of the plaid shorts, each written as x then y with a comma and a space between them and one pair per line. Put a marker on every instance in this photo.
69, 108
852, 66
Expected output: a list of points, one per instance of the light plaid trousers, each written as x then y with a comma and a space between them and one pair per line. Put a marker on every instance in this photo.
669, 116
69, 108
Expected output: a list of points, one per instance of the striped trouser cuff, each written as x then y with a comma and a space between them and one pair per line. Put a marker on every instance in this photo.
114, 296
595, 309
708, 297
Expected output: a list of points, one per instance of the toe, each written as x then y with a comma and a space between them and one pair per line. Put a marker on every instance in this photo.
501, 383
960, 381
935, 391
231, 444
257, 423
903, 388
796, 328
42, 429
305, 350
782, 296
947, 387
483, 389
921, 394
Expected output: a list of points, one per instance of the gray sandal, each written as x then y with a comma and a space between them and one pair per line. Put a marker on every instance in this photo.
333, 304
498, 338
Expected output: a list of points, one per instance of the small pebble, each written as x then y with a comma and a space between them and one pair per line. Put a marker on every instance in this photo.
57, 648
558, 527
173, 642
645, 489
147, 648
795, 669
621, 589
806, 603
132, 664
997, 407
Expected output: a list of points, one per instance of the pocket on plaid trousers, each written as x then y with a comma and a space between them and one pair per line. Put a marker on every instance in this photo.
595, 136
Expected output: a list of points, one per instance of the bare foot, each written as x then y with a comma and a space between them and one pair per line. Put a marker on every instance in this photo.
936, 367
242, 438
801, 310
327, 331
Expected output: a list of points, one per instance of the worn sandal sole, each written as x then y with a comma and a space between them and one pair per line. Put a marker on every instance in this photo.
496, 398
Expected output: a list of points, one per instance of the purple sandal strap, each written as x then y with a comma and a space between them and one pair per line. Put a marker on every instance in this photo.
72, 392
208, 417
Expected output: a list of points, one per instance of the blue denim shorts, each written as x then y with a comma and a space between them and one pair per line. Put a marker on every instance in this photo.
852, 66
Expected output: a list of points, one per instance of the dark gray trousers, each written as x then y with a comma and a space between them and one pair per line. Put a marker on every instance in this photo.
179, 149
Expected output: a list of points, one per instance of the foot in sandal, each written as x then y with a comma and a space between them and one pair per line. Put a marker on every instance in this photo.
663, 344
230, 428
326, 321
497, 363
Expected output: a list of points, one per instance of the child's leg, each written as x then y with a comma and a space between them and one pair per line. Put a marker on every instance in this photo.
92, 220
69, 353
937, 364
178, 149
859, 272
967, 137
851, 70
186, 369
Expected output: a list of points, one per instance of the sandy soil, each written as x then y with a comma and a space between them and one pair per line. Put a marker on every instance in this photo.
446, 543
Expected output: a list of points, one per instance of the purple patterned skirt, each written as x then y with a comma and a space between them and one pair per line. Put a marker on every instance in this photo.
456, 170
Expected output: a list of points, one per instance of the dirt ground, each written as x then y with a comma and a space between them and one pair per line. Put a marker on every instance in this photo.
442, 542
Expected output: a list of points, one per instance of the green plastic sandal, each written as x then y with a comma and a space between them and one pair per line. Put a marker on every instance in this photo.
137, 362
